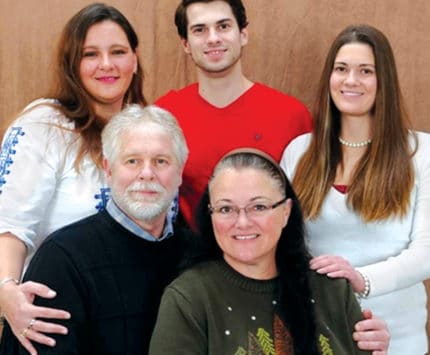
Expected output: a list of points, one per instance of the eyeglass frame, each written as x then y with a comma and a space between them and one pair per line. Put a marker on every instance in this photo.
237, 209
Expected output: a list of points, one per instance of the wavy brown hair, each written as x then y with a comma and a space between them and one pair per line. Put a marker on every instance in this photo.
383, 179
68, 89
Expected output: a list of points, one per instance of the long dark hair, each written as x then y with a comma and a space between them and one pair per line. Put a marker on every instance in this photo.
384, 177
67, 87
292, 257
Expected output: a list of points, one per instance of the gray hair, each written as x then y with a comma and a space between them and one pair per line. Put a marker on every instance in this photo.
134, 115
251, 158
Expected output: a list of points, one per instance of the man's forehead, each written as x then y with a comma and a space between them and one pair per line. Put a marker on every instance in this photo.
212, 12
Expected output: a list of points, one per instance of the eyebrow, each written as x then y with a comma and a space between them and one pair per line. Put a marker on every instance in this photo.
226, 200
360, 65
217, 23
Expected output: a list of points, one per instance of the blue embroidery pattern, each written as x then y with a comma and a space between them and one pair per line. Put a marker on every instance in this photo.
7, 152
103, 196
174, 208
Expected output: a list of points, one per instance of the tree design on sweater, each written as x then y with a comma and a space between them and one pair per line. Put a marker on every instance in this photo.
263, 344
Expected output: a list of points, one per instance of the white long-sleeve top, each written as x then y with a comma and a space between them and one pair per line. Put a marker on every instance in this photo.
40, 189
394, 254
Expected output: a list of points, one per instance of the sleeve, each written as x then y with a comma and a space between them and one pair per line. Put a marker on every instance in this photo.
337, 312
292, 154
412, 265
179, 329
354, 315
30, 161
55, 268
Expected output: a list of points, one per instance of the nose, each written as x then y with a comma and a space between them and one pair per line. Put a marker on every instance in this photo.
242, 219
146, 172
351, 77
105, 62
213, 36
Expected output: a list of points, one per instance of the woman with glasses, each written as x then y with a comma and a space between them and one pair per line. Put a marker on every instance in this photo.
250, 290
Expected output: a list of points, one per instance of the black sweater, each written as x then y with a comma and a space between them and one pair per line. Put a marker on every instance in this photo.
111, 282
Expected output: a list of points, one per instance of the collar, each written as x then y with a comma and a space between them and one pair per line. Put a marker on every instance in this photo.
120, 217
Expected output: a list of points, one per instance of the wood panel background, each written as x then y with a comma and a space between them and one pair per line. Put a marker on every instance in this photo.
288, 42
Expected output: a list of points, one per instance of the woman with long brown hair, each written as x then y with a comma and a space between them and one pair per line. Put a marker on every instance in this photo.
363, 180
51, 156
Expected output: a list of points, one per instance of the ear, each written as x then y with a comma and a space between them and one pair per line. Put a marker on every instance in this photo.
107, 169
186, 46
244, 36
287, 210
136, 60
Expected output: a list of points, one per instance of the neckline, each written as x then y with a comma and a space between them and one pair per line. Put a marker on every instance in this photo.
231, 104
246, 283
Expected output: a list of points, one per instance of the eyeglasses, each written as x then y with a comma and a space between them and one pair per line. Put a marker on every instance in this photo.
253, 210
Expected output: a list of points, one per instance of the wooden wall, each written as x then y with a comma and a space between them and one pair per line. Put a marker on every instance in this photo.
288, 42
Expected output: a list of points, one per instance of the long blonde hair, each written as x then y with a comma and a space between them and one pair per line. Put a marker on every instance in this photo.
383, 179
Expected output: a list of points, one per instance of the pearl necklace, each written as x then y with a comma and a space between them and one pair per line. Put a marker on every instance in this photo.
355, 145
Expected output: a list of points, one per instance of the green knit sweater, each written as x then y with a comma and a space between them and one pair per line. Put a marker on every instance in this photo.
213, 310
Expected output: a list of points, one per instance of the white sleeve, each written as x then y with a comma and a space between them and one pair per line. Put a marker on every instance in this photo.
292, 154
32, 154
412, 265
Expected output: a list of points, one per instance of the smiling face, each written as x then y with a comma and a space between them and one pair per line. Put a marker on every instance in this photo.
107, 65
248, 242
353, 81
145, 175
214, 39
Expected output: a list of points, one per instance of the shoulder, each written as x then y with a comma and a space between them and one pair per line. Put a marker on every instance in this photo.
44, 111
81, 234
423, 141
277, 96
326, 289
293, 153
300, 143
41, 121
194, 282
422, 156
174, 97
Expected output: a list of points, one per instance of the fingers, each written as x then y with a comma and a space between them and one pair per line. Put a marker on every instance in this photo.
38, 337
35, 332
26, 344
372, 334
367, 314
35, 288
372, 340
47, 327
333, 266
51, 313
20, 313
324, 261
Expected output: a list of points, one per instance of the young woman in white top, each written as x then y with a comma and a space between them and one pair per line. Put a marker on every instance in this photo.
363, 180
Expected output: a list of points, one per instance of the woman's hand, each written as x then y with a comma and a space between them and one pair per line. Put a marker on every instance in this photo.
337, 267
26, 319
372, 334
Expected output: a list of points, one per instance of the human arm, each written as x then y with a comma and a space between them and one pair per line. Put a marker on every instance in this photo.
338, 267
411, 265
372, 334
180, 328
27, 183
16, 300
396, 250
53, 266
